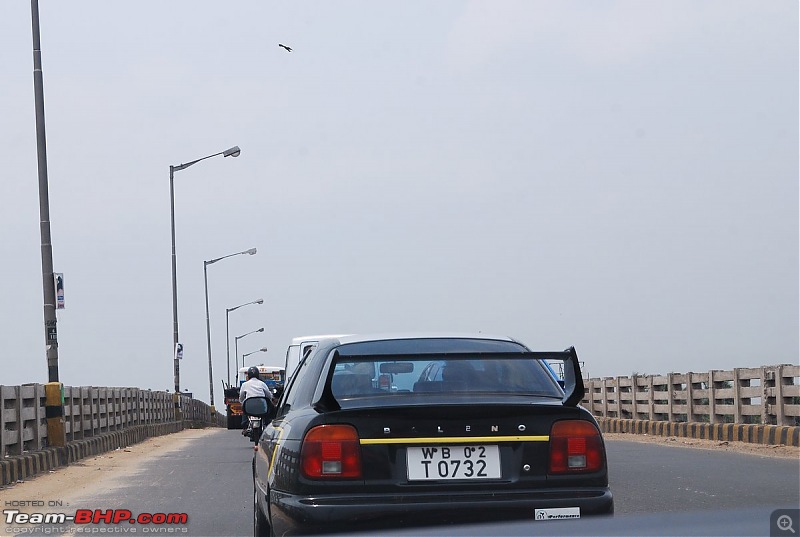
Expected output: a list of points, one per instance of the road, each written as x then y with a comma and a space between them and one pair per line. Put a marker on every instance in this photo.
207, 475
208, 478
648, 478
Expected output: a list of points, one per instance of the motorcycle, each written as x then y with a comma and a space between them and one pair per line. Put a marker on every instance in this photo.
254, 429
256, 409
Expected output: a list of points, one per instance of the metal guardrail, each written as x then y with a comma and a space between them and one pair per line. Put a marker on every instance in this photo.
88, 412
768, 395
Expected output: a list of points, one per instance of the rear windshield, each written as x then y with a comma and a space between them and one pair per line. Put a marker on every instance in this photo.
437, 368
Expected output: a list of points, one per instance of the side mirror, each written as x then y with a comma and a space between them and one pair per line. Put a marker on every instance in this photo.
256, 406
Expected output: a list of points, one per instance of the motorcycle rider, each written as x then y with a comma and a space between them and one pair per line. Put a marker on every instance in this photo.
253, 387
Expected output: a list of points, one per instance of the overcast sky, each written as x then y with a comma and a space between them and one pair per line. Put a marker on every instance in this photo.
617, 176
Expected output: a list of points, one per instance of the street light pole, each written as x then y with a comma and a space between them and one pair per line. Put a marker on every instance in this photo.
262, 349
177, 371
232, 152
228, 334
236, 346
251, 251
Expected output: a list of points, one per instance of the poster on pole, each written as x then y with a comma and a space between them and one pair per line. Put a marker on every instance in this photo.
179, 351
59, 280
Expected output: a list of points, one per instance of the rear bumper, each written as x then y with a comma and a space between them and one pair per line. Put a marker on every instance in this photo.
295, 515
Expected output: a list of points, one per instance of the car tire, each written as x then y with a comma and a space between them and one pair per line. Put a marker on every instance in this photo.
261, 527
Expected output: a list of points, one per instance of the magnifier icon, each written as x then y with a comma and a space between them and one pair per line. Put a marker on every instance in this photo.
785, 523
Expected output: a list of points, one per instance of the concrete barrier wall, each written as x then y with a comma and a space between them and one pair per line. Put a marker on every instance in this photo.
769, 395
731, 432
90, 412
758, 405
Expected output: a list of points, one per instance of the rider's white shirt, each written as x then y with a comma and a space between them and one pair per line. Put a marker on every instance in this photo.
254, 388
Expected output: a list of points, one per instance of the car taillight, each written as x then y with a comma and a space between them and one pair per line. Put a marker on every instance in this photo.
575, 446
331, 451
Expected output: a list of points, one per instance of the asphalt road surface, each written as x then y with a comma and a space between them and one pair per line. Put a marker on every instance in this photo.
647, 478
658, 490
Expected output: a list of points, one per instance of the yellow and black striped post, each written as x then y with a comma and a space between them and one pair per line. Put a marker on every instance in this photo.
176, 401
54, 412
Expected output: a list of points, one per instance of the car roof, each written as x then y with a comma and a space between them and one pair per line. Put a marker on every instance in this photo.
300, 339
361, 338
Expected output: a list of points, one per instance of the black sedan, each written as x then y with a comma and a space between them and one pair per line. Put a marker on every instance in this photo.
378, 432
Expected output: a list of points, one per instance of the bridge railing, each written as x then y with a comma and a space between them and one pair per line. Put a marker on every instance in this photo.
768, 395
88, 412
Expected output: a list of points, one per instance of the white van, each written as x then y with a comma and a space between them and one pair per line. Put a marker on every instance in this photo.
300, 348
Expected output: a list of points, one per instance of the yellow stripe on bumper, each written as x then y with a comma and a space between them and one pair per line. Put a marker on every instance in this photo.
455, 440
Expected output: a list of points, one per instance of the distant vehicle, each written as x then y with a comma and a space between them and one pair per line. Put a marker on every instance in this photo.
267, 373
273, 376
233, 408
298, 349
382, 431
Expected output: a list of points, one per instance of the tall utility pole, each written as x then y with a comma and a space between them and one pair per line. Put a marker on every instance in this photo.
48, 284
54, 406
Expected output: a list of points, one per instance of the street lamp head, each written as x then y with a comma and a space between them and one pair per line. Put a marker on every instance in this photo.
232, 152
262, 349
251, 251
260, 330
260, 301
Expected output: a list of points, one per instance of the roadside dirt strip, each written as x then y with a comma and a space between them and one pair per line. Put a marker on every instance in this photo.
763, 450
91, 475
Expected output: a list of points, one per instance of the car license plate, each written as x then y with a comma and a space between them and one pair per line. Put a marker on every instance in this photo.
453, 462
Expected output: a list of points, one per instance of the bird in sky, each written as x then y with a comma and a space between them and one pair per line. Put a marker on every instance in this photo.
288, 49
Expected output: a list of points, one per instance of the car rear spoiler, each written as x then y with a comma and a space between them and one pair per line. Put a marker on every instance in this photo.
573, 382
